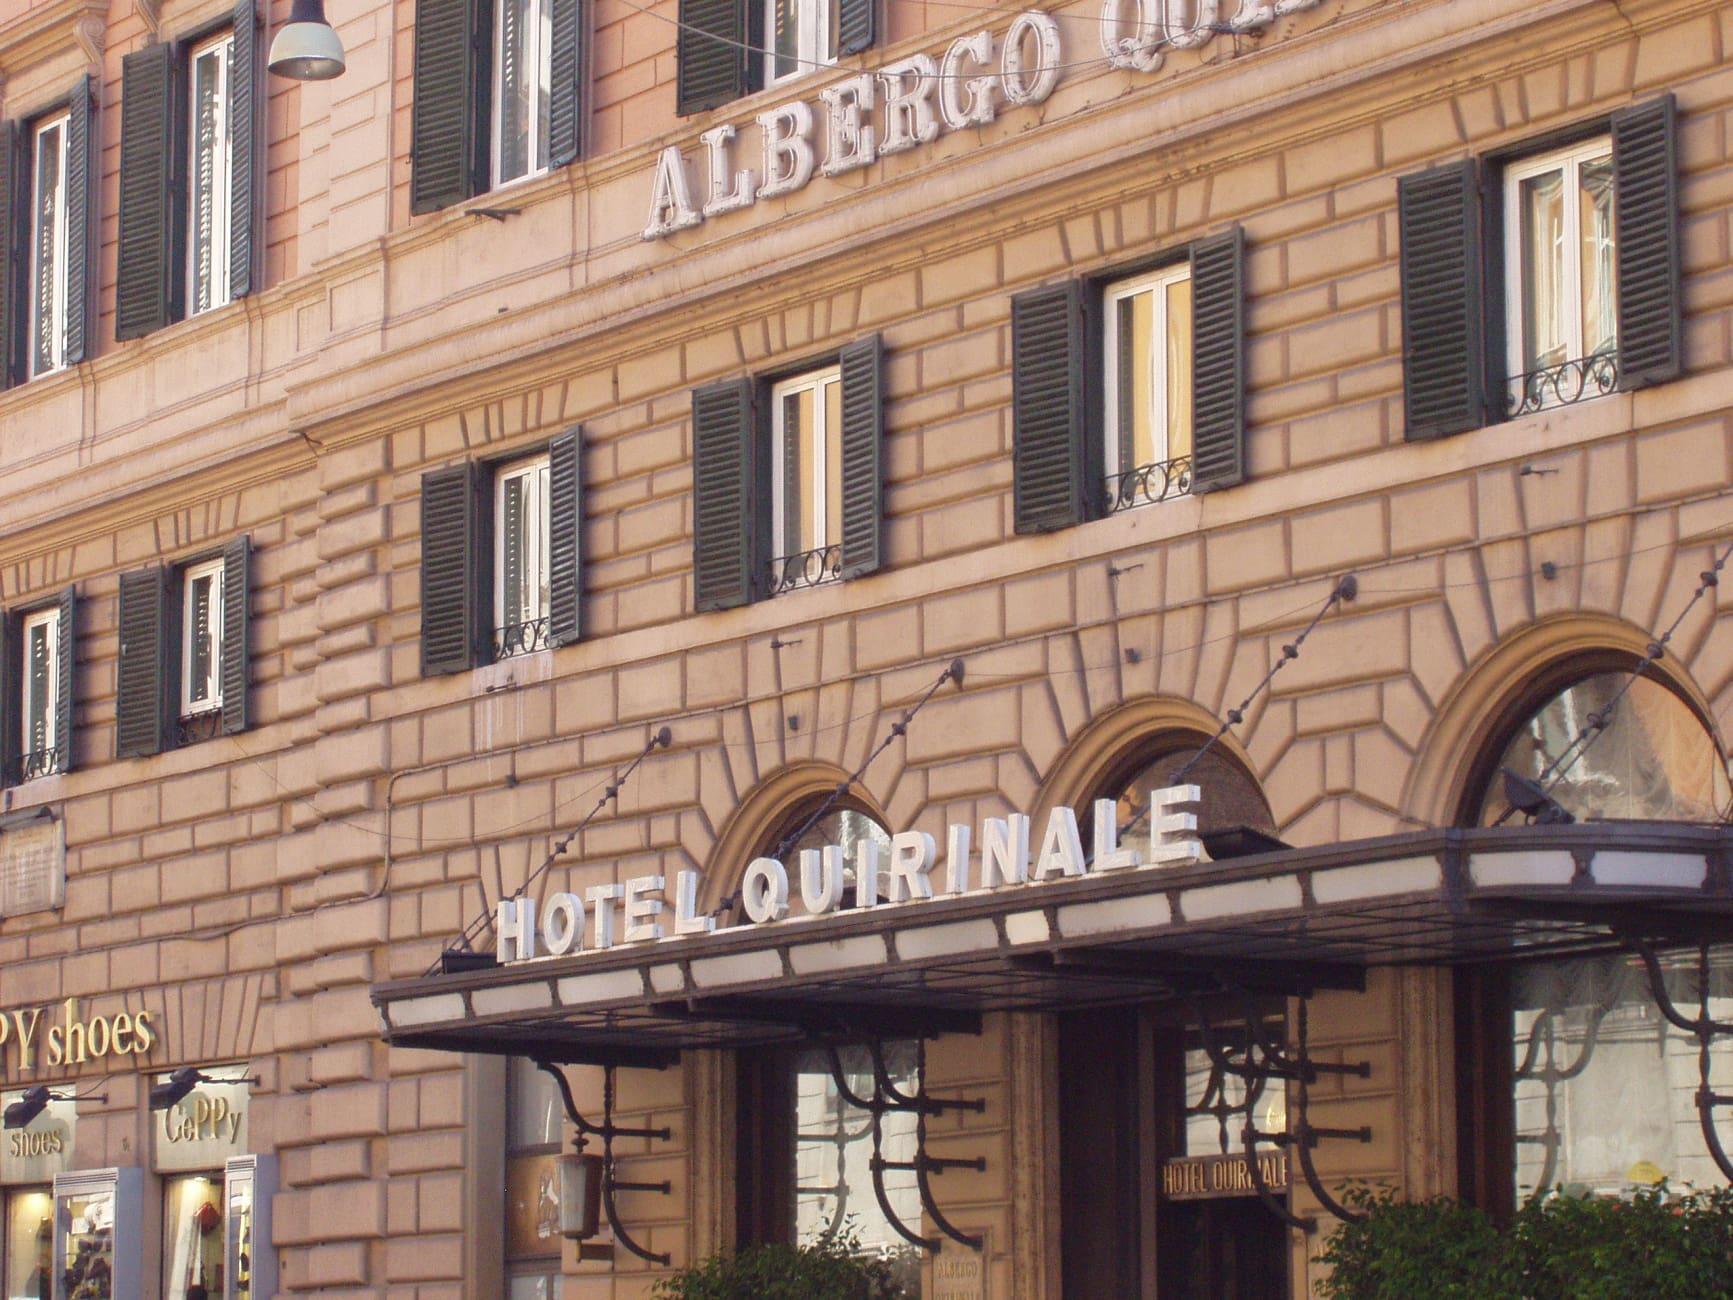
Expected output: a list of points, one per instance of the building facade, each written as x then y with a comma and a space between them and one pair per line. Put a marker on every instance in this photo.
661, 468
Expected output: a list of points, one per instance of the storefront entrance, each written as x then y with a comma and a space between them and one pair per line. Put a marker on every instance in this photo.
1227, 1247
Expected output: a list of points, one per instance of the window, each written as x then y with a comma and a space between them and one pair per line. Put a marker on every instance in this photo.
48, 244
41, 685
522, 77
803, 36
1561, 297
532, 1183
202, 638
29, 1241
520, 573
211, 172
806, 479
1148, 387
193, 1236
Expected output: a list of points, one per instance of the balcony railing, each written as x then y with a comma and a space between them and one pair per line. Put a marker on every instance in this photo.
520, 638
805, 569
1161, 480
38, 762
1563, 384
207, 724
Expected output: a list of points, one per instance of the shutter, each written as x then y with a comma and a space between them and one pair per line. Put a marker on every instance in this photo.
724, 514
1047, 396
565, 546
233, 671
244, 139
449, 567
83, 153
1443, 349
13, 333
1646, 232
856, 25
1218, 361
66, 660
863, 431
712, 53
450, 65
566, 97
146, 192
11, 697
141, 688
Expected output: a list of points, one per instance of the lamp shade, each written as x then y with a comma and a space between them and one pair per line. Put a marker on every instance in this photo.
307, 49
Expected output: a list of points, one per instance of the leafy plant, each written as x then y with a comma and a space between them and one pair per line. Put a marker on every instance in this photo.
832, 1268
1655, 1243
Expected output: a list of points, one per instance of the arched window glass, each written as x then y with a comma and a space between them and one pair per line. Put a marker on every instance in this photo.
1655, 761
1230, 800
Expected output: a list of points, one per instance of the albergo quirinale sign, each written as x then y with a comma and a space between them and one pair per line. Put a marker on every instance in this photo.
907, 103
905, 871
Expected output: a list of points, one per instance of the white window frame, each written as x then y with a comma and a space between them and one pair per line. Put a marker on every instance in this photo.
538, 53
814, 42
212, 568
1115, 293
538, 544
1570, 160
814, 381
49, 618
222, 46
57, 291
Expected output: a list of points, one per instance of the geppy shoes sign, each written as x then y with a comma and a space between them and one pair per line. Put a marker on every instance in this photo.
907, 103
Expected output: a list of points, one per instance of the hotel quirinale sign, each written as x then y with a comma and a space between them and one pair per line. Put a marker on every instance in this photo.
906, 871
906, 104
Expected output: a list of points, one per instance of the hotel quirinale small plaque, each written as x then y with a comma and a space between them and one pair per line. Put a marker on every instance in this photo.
961, 1274
1203, 1178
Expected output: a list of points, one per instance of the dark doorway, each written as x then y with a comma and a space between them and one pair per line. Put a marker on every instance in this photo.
1227, 1249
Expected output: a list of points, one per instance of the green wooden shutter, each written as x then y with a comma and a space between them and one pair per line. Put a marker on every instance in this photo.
1218, 361
14, 330
245, 104
724, 513
142, 688
1646, 232
1443, 325
11, 697
83, 154
450, 564
66, 660
856, 25
451, 78
566, 97
233, 672
565, 537
1048, 408
863, 432
146, 246
714, 63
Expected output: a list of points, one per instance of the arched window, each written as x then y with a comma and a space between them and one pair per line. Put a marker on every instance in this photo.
1655, 760
1230, 799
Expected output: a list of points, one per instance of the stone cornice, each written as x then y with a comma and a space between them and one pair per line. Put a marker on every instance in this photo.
47, 29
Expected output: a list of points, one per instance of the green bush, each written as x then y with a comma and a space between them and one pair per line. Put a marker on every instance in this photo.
830, 1269
1657, 1243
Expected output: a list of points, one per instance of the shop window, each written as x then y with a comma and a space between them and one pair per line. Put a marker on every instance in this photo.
1654, 760
48, 244
210, 173
36, 649
803, 35
806, 479
522, 77
1560, 288
520, 558
201, 638
532, 1177
1147, 355
29, 1259
193, 1237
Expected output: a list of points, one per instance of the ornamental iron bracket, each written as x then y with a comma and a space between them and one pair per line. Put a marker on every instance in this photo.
1705, 1029
607, 1131
886, 1097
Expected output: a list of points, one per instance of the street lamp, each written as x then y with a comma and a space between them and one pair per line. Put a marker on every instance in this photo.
307, 49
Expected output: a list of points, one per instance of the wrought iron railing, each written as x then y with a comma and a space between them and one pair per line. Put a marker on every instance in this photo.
38, 762
805, 569
206, 724
1144, 486
1560, 385
520, 638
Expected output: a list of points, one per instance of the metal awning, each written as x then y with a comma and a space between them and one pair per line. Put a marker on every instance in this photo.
1289, 921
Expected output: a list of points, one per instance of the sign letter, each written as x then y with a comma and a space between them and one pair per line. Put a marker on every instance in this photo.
671, 199
516, 931
765, 890
787, 132
1004, 851
849, 141
722, 198
909, 116
912, 857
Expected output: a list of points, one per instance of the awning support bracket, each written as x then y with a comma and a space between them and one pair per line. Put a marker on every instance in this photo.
607, 1131
886, 1097
1705, 1029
